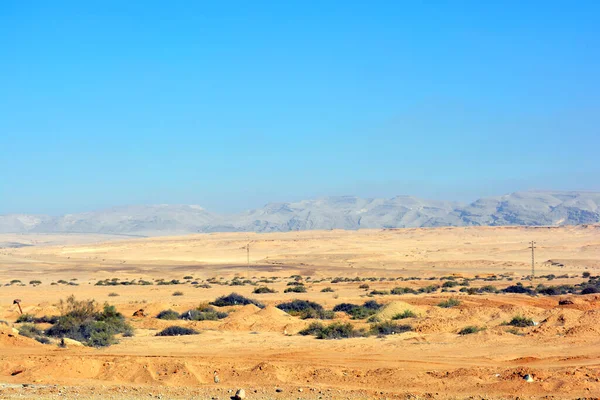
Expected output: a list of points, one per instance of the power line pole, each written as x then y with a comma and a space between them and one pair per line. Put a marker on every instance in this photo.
248, 257
532, 247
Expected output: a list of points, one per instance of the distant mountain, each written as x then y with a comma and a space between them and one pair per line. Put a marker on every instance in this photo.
522, 208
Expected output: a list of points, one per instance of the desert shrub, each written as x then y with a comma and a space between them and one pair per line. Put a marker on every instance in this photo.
295, 289
429, 289
548, 291
389, 328
467, 330
80, 320
521, 322
177, 331
168, 315
336, 330
42, 339
46, 319
451, 302
113, 294
590, 290
23, 318
178, 293
515, 331
203, 314
327, 290
313, 329
235, 299
403, 290
204, 286
379, 292
404, 314
488, 289
364, 286
295, 283
449, 284
305, 309
263, 289
29, 330
517, 289
35, 282
356, 311
469, 290
188, 277
586, 275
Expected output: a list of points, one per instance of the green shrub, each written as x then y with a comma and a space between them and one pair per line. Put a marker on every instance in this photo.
404, 314
29, 330
379, 293
263, 289
451, 302
35, 282
389, 328
305, 309
25, 318
313, 329
515, 331
168, 315
295, 289
521, 322
470, 329
235, 299
81, 321
203, 314
177, 331
336, 330
488, 289
42, 339
403, 290
356, 311
429, 289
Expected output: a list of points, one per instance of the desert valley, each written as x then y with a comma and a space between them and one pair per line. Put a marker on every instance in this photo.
392, 313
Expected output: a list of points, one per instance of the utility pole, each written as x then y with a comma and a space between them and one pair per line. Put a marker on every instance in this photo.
248, 257
532, 247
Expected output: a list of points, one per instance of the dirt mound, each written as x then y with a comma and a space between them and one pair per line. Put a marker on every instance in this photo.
398, 307
243, 311
269, 319
9, 337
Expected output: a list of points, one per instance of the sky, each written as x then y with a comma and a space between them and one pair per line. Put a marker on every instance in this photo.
234, 104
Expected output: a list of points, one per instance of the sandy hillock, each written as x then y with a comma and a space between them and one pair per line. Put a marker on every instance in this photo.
269, 319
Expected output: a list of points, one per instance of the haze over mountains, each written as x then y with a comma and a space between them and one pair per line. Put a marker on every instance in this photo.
533, 208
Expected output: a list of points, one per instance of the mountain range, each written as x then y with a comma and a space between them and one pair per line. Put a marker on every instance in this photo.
531, 208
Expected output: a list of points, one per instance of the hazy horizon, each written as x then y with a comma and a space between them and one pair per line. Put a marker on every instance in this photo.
242, 209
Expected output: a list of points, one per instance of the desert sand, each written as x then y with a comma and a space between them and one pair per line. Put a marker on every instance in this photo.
259, 349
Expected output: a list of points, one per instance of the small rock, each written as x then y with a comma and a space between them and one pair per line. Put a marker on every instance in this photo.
300, 390
279, 390
528, 378
240, 394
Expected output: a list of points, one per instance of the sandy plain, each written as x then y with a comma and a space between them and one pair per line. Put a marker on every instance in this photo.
260, 350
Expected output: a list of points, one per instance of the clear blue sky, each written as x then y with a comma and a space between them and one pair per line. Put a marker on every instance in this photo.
234, 104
